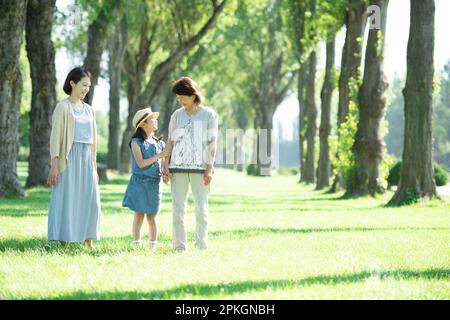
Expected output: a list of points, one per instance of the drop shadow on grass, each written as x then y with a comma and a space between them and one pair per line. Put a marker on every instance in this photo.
253, 232
205, 291
120, 244
38, 201
107, 245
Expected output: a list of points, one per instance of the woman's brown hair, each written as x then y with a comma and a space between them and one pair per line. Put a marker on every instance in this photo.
185, 86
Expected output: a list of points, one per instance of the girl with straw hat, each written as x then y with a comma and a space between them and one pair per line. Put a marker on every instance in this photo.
144, 191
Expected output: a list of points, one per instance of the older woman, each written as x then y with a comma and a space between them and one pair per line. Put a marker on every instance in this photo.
74, 213
192, 141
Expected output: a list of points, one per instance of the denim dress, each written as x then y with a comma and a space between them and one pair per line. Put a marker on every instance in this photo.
144, 191
74, 213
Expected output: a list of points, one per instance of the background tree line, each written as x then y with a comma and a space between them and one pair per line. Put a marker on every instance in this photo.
248, 56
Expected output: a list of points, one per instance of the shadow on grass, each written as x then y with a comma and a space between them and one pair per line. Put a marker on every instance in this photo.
253, 232
107, 245
202, 290
119, 244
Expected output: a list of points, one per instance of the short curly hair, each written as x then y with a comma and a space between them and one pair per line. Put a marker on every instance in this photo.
185, 86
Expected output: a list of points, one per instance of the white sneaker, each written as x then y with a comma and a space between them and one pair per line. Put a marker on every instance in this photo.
137, 243
152, 246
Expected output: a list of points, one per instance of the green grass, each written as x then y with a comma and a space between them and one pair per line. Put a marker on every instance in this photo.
270, 238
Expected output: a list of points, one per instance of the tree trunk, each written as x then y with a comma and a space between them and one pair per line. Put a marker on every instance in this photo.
264, 145
356, 18
311, 117
97, 36
417, 176
116, 53
170, 104
12, 25
301, 119
369, 143
323, 174
351, 58
41, 55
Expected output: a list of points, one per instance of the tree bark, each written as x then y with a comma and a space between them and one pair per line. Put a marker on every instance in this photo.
297, 12
170, 104
116, 54
97, 36
311, 117
355, 22
301, 119
369, 143
417, 173
323, 173
12, 25
41, 55
351, 57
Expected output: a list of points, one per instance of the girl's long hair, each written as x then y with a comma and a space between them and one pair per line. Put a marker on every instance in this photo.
140, 133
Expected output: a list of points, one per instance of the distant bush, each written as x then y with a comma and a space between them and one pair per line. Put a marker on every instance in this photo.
252, 169
286, 171
440, 174
394, 174
102, 157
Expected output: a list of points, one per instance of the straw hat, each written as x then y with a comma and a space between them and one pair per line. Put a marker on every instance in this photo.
143, 114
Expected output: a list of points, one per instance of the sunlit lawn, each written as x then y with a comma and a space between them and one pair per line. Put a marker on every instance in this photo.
270, 238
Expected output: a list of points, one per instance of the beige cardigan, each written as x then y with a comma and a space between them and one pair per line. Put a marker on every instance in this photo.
63, 130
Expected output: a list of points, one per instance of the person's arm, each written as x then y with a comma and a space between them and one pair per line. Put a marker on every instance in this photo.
53, 174
207, 176
212, 150
165, 166
169, 148
55, 145
140, 161
94, 139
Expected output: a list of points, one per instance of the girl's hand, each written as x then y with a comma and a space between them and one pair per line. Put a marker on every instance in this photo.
166, 174
166, 179
165, 153
52, 179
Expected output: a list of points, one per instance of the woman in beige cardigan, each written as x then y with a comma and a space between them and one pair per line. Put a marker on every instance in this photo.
74, 213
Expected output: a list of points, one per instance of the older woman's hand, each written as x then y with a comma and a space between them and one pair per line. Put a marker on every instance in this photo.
207, 176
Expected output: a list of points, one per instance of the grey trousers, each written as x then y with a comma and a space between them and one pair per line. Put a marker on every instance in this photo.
179, 187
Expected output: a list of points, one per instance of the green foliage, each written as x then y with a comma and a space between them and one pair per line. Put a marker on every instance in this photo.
394, 174
252, 169
25, 104
102, 132
394, 117
102, 157
289, 171
345, 165
308, 22
441, 117
411, 197
440, 174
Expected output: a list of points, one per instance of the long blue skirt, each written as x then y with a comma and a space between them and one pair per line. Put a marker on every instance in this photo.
74, 213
